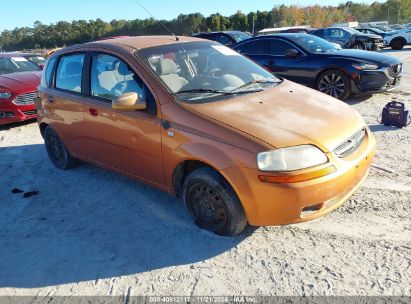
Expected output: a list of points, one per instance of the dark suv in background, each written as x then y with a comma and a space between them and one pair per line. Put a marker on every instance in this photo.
349, 38
227, 38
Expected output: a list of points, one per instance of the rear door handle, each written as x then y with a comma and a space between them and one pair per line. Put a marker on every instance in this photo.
93, 112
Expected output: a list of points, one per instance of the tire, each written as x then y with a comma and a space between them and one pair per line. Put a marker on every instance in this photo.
57, 151
358, 46
334, 83
212, 203
397, 44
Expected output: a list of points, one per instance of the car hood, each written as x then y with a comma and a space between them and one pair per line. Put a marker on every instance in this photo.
373, 36
367, 56
18, 81
286, 115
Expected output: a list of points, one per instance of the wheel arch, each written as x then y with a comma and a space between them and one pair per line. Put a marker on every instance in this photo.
43, 127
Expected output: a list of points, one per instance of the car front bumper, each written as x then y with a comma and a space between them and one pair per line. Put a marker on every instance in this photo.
374, 81
13, 113
278, 204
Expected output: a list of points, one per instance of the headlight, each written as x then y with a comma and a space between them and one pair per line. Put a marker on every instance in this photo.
291, 158
365, 66
5, 95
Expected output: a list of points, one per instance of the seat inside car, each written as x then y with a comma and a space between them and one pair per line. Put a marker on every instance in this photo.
169, 70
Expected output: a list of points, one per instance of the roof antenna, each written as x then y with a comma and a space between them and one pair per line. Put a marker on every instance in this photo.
162, 24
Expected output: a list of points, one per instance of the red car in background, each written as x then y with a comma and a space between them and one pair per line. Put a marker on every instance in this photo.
19, 79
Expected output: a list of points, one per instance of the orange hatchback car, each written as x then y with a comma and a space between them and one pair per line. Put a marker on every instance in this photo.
198, 120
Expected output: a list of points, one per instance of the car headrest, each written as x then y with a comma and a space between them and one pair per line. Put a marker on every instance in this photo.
123, 69
74, 68
168, 67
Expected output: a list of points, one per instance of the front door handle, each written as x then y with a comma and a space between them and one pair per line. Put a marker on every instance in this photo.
50, 99
270, 62
93, 111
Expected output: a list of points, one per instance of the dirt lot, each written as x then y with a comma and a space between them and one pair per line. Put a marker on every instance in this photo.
92, 232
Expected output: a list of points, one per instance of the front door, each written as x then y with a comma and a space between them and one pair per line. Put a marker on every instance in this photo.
129, 141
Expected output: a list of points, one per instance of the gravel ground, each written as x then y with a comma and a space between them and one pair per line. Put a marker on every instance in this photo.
93, 232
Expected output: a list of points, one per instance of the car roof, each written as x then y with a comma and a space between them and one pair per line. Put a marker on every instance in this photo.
133, 42
220, 32
17, 54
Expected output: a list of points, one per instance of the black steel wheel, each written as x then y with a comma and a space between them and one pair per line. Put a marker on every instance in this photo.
212, 203
57, 151
334, 83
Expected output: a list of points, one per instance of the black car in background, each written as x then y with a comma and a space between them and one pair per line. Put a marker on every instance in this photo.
314, 62
372, 31
227, 38
349, 38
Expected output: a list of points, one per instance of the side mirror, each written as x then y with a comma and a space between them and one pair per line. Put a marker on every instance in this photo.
128, 102
293, 53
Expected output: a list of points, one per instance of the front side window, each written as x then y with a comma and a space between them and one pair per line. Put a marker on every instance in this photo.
198, 72
16, 64
314, 44
279, 47
112, 77
69, 72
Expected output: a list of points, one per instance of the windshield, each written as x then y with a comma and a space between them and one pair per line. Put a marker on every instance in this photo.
240, 36
204, 71
351, 30
313, 44
10, 65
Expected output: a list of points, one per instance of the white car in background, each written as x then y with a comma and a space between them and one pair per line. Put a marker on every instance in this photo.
398, 39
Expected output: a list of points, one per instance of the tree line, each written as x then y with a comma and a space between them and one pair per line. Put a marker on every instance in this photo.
67, 33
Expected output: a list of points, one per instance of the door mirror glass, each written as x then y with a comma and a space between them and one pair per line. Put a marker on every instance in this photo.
128, 102
293, 53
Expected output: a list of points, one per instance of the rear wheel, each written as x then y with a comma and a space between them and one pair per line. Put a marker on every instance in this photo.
334, 83
57, 151
397, 44
212, 203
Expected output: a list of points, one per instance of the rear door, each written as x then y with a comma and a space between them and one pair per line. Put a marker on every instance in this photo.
61, 94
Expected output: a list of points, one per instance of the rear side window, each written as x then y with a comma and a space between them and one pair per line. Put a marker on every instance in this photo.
223, 39
47, 75
256, 47
69, 72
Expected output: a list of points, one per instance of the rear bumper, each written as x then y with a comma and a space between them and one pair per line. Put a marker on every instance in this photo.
10, 114
278, 204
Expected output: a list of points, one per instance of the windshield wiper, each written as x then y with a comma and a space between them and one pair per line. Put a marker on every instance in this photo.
254, 82
203, 91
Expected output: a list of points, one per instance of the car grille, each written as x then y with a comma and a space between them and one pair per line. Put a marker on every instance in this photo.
26, 99
394, 70
28, 113
351, 144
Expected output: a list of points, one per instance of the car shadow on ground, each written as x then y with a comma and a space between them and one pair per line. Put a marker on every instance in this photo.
382, 128
89, 224
17, 124
354, 99
405, 49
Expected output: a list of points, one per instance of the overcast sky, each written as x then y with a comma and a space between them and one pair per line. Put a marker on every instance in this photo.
18, 13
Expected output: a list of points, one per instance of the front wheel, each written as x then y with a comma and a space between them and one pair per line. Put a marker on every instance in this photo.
57, 151
334, 83
358, 46
213, 203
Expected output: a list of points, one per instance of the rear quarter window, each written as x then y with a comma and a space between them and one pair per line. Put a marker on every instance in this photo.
46, 77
